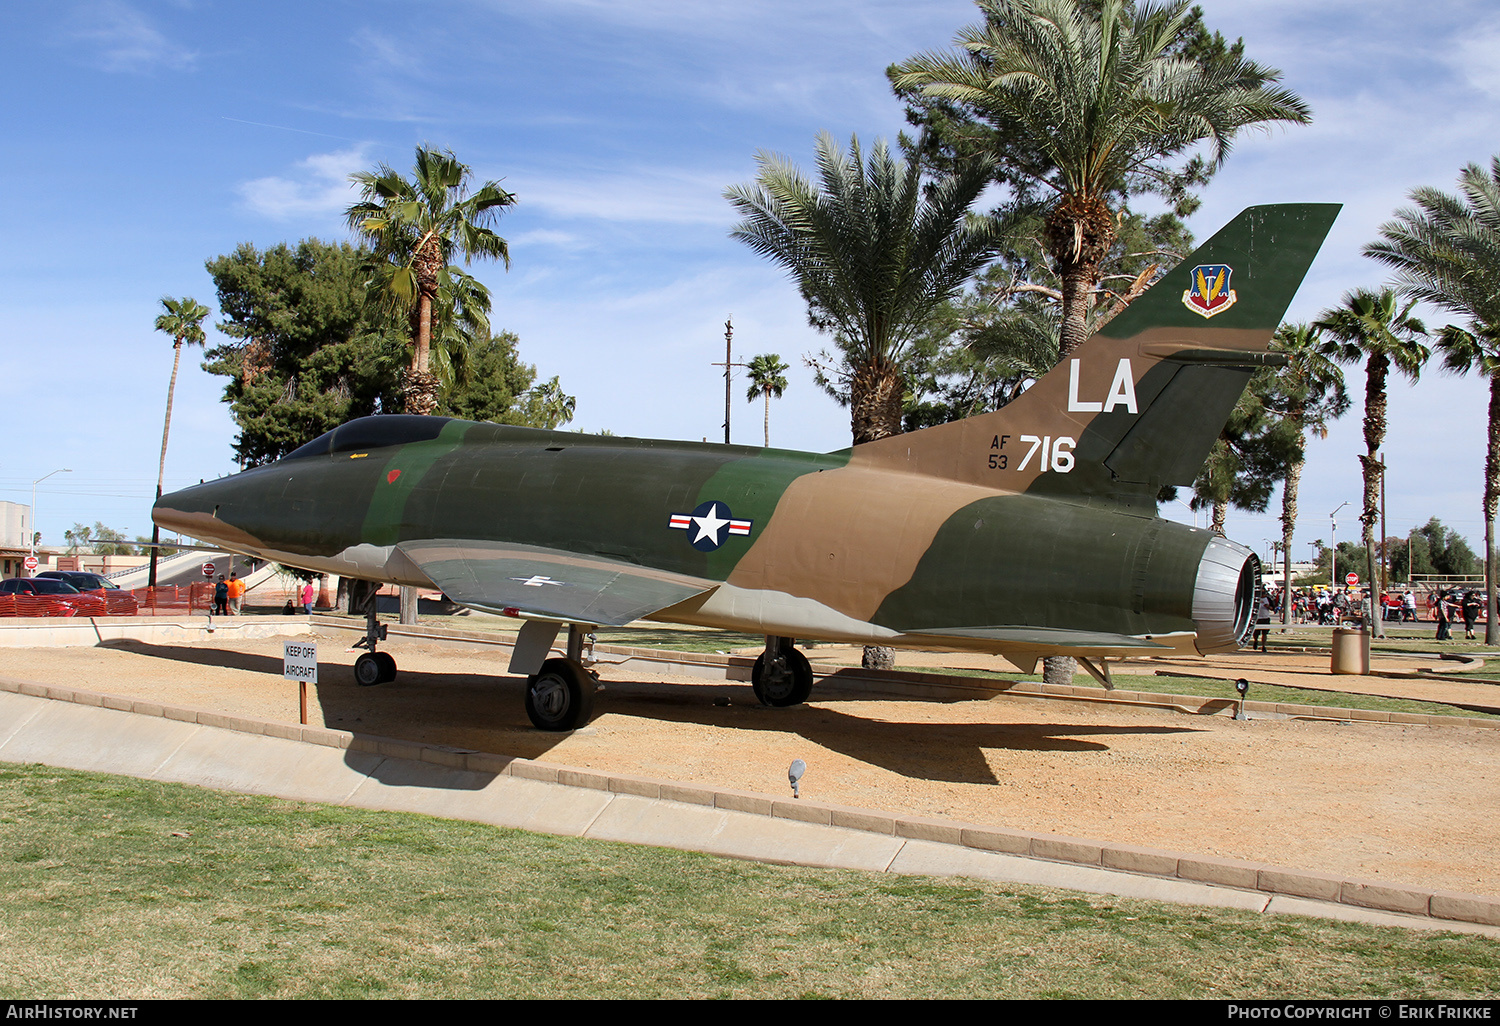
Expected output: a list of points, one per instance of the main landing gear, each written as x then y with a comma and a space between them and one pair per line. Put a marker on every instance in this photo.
782, 675
560, 695
373, 667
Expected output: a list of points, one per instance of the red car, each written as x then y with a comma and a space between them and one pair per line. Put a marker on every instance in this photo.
45, 596
117, 601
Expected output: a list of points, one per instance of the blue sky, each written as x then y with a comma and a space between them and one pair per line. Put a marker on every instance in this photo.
156, 135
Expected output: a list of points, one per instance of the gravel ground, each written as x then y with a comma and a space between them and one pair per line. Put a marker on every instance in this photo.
1402, 803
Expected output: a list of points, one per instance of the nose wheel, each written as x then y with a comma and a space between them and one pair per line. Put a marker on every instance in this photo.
373, 667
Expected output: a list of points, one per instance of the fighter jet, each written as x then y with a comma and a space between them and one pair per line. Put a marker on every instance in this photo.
1029, 532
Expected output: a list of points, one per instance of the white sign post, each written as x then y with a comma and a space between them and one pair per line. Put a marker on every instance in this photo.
299, 662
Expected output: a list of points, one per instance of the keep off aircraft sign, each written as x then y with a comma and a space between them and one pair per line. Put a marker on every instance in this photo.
299, 661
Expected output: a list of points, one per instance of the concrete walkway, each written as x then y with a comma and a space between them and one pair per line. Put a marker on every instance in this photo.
86, 730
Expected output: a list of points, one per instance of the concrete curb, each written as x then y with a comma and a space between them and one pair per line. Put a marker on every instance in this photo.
624, 807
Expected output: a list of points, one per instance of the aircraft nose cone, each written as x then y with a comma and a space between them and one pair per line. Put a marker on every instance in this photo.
195, 512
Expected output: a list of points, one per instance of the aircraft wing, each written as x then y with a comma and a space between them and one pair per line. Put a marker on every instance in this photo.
520, 580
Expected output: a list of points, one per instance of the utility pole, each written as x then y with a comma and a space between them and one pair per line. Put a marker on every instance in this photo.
729, 365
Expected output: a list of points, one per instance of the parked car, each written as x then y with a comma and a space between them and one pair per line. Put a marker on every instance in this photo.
46, 596
117, 601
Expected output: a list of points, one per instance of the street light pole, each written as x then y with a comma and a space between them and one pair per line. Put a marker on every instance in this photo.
31, 535
1333, 552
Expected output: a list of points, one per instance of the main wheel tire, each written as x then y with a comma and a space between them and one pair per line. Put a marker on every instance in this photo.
560, 696
788, 684
368, 671
387, 667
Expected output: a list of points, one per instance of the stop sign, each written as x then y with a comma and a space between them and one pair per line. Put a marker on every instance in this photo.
31, 564
1351, 579
208, 570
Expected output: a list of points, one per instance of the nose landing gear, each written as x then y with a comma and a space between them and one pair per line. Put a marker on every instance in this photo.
373, 667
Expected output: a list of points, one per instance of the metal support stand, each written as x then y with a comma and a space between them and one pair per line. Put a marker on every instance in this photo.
1099, 673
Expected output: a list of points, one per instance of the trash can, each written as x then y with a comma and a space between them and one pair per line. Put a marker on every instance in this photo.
1351, 650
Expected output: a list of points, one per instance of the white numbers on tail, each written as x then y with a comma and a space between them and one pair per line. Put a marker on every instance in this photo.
1057, 455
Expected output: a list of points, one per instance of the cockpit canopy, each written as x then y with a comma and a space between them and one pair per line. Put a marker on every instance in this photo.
372, 433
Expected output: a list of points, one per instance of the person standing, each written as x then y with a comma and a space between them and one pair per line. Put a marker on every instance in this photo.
1441, 612
307, 596
221, 597
1470, 609
236, 594
1262, 624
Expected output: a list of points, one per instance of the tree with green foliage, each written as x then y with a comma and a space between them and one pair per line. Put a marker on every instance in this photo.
500, 388
1375, 328
1432, 549
1250, 456
873, 250
100, 540
306, 354
987, 345
546, 406
183, 321
493, 383
417, 226
1309, 392
1090, 103
1446, 251
768, 381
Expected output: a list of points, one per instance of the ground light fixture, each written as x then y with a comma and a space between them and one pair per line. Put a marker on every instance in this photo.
794, 774
1242, 686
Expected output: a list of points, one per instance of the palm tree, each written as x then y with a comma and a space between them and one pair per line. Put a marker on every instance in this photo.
873, 251
183, 320
460, 318
1310, 389
1446, 251
416, 227
768, 379
1377, 329
548, 406
1091, 102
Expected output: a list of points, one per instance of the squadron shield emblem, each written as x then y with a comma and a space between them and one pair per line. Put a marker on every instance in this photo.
1208, 292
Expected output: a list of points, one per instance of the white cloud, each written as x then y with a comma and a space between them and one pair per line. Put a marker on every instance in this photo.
1472, 56
660, 195
321, 186
127, 41
547, 237
382, 52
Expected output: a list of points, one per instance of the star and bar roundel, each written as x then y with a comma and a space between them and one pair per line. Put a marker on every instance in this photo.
709, 525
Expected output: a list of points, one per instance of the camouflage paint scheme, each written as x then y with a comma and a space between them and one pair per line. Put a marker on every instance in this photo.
1028, 532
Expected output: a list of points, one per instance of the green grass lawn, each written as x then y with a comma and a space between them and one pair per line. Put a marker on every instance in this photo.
115, 887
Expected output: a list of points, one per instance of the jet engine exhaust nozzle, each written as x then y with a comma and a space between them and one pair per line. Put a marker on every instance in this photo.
1224, 596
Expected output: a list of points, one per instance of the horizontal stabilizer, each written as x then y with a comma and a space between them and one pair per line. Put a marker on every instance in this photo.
521, 580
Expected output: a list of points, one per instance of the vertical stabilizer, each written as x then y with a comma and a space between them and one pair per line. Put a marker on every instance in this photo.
1139, 404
